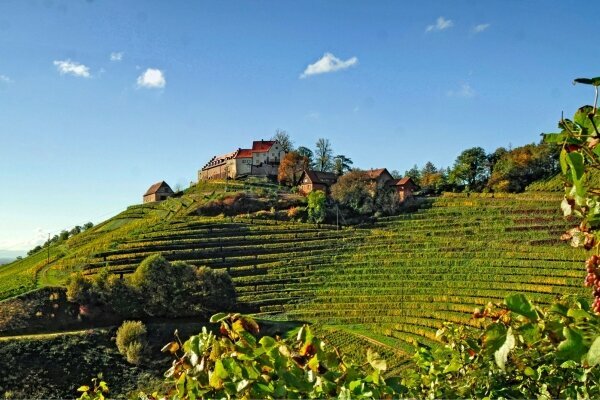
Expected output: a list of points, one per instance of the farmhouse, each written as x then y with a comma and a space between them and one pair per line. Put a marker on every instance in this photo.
316, 180
381, 176
261, 160
404, 187
158, 192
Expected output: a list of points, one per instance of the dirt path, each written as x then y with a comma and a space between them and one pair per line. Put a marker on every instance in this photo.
51, 335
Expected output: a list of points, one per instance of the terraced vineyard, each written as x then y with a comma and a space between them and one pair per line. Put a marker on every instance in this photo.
387, 286
414, 272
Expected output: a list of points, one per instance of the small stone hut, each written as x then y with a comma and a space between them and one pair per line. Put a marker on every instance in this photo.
158, 192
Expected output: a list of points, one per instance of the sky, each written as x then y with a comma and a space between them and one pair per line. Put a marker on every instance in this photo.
100, 99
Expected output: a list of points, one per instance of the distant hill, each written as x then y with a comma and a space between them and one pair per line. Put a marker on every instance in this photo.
8, 256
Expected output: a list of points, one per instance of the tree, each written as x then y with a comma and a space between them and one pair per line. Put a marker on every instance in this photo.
163, 285
323, 155
291, 167
356, 191
415, 174
284, 140
76, 230
341, 164
306, 152
494, 157
316, 206
87, 225
515, 169
396, 174
431, 177
470, 168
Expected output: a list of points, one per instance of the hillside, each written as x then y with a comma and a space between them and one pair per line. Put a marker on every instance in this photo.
387, 286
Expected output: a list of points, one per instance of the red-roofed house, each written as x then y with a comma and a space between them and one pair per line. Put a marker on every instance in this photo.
158, 192
404, 187
261, 160
380, 175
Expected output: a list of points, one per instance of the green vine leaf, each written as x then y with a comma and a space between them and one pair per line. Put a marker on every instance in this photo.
519, 304
572, 348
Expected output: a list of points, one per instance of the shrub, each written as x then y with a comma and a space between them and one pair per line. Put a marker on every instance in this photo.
293, 212
214, 289
81, 290
163, 285
131, 340
316, 206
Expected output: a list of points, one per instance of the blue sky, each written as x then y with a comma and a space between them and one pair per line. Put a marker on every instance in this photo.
99, 99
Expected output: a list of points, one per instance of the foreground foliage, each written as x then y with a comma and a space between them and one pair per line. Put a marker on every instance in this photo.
520, 351
238, 364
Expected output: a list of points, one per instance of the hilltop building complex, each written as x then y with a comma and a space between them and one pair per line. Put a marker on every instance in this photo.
262, 160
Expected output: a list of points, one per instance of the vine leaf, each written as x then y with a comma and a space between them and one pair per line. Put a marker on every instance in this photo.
572, 348
593, 356
501, 355
519, 304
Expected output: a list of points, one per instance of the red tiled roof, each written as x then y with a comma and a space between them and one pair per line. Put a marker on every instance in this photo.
402, 182
244, 153
375, 173
154, 188
260, 146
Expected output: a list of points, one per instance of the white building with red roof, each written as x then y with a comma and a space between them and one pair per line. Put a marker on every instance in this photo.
261, 160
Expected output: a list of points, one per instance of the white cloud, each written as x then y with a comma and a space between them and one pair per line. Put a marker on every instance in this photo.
328, 63
72, 68
5, 79
465, 91
116, 56
152, 78
440, 24
480, 28
313, 115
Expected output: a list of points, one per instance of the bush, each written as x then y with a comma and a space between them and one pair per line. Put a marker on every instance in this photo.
157, 288
214, 290
316, 206
131, 340
81, 290
164, 286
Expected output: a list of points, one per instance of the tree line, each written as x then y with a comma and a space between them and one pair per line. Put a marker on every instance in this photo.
504, 170
474, 170
61, 237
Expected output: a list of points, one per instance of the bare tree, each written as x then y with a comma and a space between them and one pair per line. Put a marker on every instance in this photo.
284, 140
323, 155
